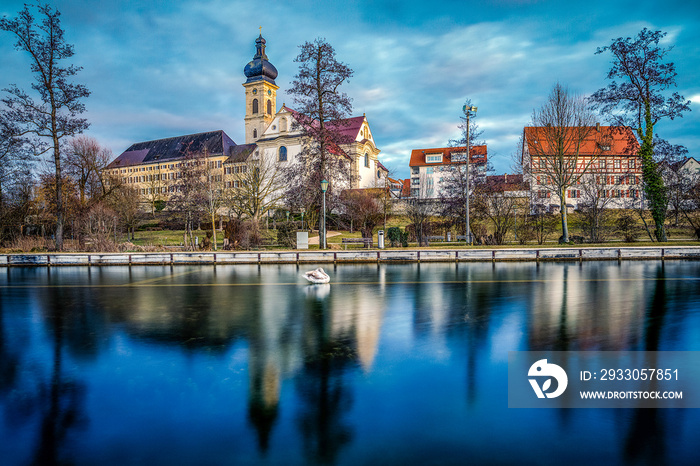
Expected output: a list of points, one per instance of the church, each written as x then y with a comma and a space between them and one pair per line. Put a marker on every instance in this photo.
271, 134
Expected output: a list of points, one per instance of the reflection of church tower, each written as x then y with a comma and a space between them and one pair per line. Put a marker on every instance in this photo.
260, 93
263, 401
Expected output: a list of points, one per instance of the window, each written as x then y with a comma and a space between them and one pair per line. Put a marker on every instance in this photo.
366, 160
433, 158
283, 124
255, 105
269, 107
255, 133
414, 170
616, 164
415, 181
283, 154
379, 174
430, 170
632, 164
602, 164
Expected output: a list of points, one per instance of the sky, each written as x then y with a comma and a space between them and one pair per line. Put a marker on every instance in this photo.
165, 68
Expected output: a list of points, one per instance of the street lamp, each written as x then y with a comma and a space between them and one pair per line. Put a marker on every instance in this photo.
324, 188
467, 233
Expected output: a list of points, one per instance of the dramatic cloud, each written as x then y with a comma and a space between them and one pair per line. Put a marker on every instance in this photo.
161, 69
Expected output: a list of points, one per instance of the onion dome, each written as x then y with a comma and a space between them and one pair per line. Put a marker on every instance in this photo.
260, 68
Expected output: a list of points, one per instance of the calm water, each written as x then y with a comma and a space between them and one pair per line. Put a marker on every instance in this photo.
390, 364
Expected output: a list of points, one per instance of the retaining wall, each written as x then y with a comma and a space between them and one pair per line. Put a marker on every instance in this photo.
352, 256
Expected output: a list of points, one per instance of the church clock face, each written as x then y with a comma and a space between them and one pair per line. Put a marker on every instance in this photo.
255, 91
269, 92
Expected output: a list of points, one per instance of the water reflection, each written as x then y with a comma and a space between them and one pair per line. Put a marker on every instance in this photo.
327, 374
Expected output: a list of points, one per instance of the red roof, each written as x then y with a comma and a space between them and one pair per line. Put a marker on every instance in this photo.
348, 128
502, 183
406, 191
599, 140
477, 155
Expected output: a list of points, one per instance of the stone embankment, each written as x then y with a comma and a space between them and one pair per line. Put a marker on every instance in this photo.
353, 256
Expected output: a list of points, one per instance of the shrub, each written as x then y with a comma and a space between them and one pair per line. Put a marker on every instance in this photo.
627, 227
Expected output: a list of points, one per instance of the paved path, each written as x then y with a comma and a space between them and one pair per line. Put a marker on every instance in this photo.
314, 240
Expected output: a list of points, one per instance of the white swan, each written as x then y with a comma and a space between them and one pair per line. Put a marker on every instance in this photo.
317, 276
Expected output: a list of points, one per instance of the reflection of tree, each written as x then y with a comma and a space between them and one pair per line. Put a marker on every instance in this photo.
562, 341
61, 403
9, 360
321, 387
647, 436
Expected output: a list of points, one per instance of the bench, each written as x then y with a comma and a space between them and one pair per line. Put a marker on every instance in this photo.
364, 241
436, 238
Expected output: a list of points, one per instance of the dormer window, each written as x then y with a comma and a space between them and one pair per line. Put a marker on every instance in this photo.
434, 158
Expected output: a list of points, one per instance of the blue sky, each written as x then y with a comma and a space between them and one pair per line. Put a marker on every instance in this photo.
166, 67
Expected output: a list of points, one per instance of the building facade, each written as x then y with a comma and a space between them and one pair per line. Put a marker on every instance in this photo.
604, 165
432, 170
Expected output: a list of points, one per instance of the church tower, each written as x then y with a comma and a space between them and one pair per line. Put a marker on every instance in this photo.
260, 93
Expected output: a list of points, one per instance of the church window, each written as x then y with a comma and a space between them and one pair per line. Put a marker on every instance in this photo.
366, 159
269, 107
255, 133
255, 105
283, 154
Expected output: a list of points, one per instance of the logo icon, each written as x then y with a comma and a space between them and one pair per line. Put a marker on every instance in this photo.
542, 369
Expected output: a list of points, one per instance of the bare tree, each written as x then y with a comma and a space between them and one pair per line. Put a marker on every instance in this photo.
594, 204
639, 101
691, 207
676, 182
213, 186
543, 224
555, 146
452, 194
85, 161
189, 192
55, 115
495, 204
419, 212
254, 187
321, 108
125, 201
14, 158
364, 208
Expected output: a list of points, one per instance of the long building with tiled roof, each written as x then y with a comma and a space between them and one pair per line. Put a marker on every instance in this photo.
604, 165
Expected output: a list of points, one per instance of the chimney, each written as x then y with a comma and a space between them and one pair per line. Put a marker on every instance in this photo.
597, 127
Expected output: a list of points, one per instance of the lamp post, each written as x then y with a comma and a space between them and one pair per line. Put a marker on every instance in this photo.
324, 188
467, 233
303, 211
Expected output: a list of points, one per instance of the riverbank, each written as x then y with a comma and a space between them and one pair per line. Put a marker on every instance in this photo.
354, 256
